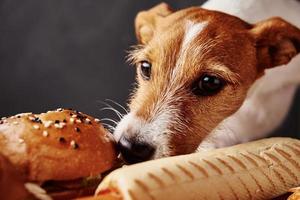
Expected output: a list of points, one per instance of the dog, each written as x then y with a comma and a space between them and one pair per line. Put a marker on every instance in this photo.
210, 77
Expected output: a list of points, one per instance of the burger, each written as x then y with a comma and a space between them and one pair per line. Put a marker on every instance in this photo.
61, 153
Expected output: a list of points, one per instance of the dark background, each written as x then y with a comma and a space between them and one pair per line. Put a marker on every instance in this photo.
62, 53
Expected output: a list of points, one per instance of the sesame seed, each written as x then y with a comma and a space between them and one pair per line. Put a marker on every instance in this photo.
31, 118
3, 118
47, 124
21, 141
97, 120
45, 133
74, 116
37, 120
77, 129
72, 120
74, 145
87, 121
15, 123
59, 109
78, 121
36, 127
61, 139
60, 125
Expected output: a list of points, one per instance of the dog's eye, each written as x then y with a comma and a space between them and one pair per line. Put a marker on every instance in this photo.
208, 85
145, 68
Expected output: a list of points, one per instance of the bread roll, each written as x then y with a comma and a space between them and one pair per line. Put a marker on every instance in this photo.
257, 170
61, 146
57, 145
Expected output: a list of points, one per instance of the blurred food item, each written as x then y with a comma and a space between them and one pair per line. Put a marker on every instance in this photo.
295, 195
11, 182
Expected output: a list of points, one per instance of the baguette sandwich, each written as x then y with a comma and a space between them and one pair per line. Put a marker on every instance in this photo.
263, 169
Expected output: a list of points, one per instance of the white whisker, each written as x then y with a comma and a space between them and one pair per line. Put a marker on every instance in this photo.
110, 120
120, 115
110, 127
109, 107
116, 103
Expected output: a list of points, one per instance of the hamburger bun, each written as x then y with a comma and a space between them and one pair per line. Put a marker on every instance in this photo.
62, 145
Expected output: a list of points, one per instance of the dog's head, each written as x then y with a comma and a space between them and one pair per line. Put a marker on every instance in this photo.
194, 68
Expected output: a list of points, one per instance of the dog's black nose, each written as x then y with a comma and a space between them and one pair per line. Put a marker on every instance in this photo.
134, 151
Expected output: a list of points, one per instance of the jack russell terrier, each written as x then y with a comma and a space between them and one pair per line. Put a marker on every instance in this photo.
207, 79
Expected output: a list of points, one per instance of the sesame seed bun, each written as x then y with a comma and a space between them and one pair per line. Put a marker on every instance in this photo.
57, 145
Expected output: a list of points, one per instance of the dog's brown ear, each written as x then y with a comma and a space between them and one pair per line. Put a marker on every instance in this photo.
145, 21
277, 42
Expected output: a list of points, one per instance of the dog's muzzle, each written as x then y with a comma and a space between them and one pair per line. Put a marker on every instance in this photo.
134, 151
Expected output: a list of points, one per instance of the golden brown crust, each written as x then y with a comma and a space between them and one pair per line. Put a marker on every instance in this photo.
262, 169
11, 183
109, 194
57, 145
295, 195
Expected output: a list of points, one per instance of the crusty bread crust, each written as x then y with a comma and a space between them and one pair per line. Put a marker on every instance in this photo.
57, 145
262, 169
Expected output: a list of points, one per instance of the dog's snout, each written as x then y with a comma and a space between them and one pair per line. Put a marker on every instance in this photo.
134, 151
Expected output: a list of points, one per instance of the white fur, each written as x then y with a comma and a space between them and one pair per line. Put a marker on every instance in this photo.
270, 98
152, 131
192, 30
124, 123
